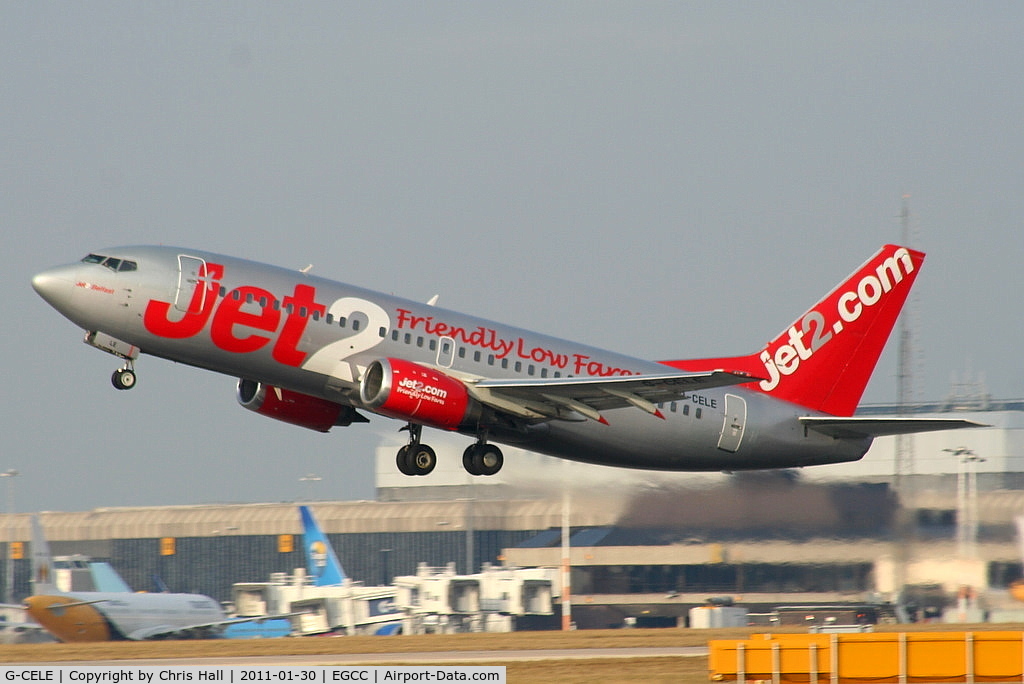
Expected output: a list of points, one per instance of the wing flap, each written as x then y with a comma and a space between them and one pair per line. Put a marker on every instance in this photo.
853, 427
570, 398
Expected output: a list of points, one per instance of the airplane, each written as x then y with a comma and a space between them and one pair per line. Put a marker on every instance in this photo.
323, 566
318, 353
323, 571
86, 616
322, 563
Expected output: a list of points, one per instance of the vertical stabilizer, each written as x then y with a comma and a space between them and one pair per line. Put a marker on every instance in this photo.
43, 581
106, 578
823, 361
321, 562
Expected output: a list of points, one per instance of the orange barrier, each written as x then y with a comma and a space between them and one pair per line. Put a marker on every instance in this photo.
911, 657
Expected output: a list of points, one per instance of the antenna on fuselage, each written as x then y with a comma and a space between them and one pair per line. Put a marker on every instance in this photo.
307, 269
433, 300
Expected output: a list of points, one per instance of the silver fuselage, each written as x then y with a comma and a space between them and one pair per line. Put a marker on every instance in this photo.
324, 333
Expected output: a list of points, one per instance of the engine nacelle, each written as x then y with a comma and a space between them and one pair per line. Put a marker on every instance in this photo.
408, 391
293, 407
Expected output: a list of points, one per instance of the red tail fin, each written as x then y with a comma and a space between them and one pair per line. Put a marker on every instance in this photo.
824, 360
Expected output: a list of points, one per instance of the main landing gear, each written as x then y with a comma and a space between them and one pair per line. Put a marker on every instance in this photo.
415, 458
419, 459
124, 377
482, 459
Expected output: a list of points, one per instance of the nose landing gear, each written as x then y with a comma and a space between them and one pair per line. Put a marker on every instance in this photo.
124, 377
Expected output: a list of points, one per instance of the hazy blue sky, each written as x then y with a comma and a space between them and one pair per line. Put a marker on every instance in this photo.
670, 180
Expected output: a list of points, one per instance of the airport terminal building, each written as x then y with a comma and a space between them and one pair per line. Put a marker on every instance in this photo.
935, 527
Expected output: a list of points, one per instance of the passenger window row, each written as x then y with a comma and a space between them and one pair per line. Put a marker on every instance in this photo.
477, 355
672, 407
396, 335
289, 308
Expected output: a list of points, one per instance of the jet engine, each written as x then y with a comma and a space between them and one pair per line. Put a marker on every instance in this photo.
408, 391
295, 408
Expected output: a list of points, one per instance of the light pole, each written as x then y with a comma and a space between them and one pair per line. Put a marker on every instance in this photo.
566, 590
966, 500
10, 474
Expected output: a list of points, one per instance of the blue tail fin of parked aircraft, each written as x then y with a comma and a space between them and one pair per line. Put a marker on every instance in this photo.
321, 562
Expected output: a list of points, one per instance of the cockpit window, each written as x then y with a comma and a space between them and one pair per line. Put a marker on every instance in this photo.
113, 263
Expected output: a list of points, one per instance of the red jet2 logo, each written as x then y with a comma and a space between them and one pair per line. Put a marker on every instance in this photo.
295, 309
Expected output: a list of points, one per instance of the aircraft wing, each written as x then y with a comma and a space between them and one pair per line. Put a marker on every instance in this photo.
212, 628
882, 427
58, 608
586, 397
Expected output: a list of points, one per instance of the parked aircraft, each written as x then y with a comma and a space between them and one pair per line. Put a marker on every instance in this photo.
321, 562
116, 615
331, 601
314, 352
322, 567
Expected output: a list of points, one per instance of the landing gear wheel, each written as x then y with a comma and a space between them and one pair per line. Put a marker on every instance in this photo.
123, 378
403, 461
482, 459
467, 460
423, 460
488, 459
416, 460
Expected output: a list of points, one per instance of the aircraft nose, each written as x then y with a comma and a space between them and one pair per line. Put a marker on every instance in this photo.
55, 285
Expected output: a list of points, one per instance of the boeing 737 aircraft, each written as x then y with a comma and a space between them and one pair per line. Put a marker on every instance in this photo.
314, 352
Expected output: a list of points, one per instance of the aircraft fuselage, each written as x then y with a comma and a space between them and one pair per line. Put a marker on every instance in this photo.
317, 337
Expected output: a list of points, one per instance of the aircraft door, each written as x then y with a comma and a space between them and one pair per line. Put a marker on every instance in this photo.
445, 352
735, 421
189, 270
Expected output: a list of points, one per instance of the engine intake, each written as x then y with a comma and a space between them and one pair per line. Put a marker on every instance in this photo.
294, 407
408, 391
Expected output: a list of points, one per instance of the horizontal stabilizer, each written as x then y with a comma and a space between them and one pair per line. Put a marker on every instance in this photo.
883, 427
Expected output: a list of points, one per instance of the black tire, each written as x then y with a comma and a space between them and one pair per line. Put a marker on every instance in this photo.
123, 379
467, 459
487, 459
423, 460
404, 461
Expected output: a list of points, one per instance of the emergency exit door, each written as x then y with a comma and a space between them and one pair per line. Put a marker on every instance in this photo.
190, 270
735, 420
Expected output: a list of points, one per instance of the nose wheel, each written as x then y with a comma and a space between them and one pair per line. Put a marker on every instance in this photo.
124, 378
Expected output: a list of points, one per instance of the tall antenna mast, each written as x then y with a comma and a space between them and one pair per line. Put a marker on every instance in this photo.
904, 465
904, 369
